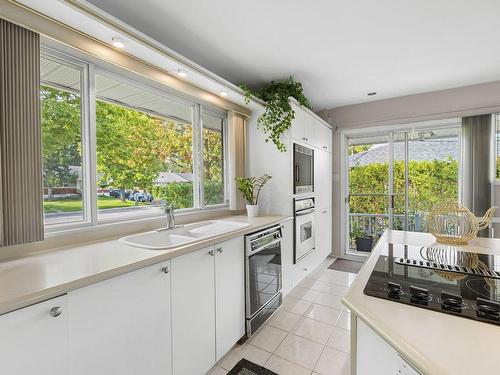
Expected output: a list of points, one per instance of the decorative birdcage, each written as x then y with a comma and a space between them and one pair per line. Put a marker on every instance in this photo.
453, 223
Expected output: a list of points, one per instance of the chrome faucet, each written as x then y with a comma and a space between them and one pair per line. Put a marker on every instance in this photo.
169, 216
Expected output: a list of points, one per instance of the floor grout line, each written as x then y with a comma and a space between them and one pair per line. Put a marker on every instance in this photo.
301, 317
295, 363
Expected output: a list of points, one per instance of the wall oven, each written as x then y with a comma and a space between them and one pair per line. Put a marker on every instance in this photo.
303, 169
304, 212
263, 276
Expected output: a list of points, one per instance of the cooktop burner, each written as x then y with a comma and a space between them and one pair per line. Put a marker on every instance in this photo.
442, 278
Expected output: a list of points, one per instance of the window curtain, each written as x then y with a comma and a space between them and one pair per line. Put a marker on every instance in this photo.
478, 164
237, 158
21, 194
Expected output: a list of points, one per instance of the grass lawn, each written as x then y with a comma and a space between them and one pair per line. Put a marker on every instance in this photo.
71, 204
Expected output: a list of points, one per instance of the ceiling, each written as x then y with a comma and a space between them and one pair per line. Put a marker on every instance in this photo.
339, 50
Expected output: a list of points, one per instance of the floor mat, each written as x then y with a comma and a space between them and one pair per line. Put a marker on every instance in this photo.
345, 265
245, 367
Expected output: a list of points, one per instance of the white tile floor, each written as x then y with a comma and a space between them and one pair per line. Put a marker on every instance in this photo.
308, 335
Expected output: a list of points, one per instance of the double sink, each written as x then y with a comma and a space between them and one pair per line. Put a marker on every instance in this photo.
163, 239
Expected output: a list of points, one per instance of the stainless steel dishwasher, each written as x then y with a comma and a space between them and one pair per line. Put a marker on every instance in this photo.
263, 276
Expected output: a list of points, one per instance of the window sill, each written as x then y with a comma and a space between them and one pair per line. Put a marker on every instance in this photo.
85, 232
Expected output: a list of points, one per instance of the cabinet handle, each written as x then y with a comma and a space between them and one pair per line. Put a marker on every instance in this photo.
324, 212
305, 269
211, 252
219, 249
165, 269
325, 147
56, 311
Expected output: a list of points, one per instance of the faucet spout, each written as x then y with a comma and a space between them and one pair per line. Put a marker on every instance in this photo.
169, 217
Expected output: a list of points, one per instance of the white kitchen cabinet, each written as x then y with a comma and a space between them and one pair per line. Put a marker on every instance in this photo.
229, 294
322, 136
193, 312
306, 265
306, 128
324, 231
122, 325
299, 124
375, 357
208, 305
287, 257
323, 179
34, 339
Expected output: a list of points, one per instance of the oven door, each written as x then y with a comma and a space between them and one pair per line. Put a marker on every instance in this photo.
304, 234
303, 171
263, 277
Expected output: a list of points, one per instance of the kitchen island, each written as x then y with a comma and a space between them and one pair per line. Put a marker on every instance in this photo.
388, 337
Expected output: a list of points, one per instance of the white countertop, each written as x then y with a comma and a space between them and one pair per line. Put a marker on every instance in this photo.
35, 278
433, 342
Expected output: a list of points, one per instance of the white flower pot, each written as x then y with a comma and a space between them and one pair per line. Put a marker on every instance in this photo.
252, 210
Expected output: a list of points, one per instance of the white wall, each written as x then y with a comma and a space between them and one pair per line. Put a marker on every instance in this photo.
272, 200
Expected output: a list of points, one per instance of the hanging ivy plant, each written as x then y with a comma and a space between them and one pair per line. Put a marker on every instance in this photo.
278, 115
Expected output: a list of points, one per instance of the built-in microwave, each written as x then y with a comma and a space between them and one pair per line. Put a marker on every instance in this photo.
303, 169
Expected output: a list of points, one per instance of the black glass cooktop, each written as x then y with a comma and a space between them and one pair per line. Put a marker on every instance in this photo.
441, 278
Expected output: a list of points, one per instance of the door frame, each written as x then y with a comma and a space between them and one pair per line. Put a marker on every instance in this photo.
388, 130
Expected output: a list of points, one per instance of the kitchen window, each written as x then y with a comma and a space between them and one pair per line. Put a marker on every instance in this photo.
213, 158
62, 148
116, 149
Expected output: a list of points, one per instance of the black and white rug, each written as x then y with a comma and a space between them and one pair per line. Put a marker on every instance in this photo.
345, 265
245, 367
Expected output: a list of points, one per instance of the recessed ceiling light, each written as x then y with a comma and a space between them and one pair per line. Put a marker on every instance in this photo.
181, 73
372, 93
118, 43
223, 93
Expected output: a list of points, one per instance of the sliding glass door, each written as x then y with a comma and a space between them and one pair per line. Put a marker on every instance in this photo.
369, 190
394, 179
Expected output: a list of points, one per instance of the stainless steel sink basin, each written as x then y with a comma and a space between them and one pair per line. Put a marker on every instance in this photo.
163, 239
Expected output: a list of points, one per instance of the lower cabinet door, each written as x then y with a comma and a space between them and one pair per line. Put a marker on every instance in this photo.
34, 339
229, 294
324, 231
122, 325
193, 312
375, 357
287, 266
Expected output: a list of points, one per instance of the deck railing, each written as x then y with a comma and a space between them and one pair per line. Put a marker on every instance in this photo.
375, 224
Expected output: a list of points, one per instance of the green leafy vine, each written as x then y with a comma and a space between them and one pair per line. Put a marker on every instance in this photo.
278, 115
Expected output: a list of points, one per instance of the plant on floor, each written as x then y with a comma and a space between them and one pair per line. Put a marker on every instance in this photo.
362, 239
278, 115
250, 187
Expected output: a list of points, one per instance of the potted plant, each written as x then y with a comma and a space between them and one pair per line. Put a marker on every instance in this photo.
250, 188
278, 115
363, 240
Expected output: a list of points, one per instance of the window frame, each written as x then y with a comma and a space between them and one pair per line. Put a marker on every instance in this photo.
223, 116
85, 133
89, 140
